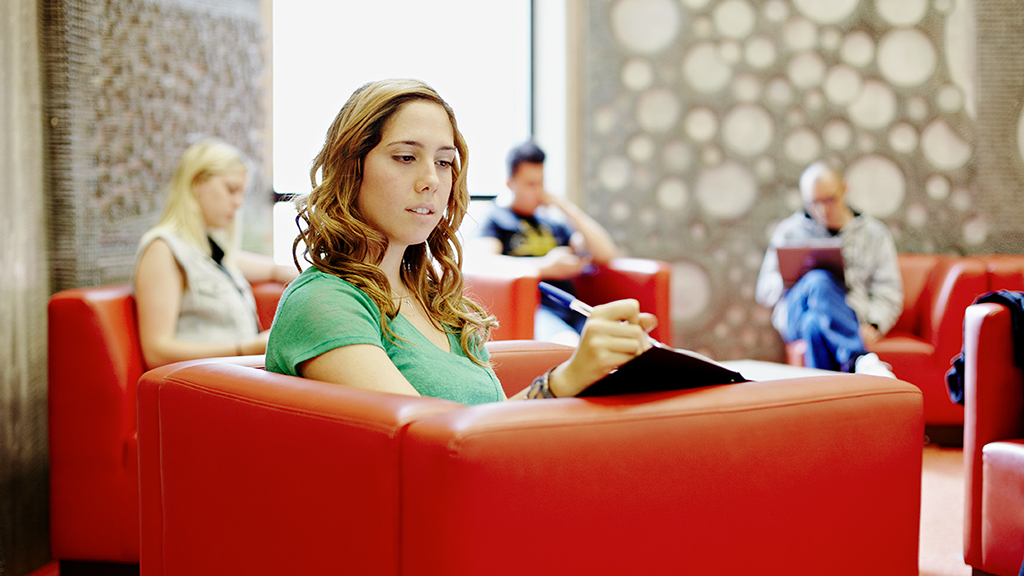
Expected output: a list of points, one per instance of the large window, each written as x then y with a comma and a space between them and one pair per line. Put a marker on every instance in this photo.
475, 53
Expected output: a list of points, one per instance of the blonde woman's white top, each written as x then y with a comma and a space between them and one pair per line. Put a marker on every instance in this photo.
217, 305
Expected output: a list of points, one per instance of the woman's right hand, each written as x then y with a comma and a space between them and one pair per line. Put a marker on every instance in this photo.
561, 263
614, 334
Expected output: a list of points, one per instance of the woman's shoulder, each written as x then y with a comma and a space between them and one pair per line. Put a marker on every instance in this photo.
315, 285
161, 235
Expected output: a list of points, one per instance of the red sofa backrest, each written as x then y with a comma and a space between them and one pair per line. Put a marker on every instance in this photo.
916, 270
644, 279
1005, 272
936, 291
95, 361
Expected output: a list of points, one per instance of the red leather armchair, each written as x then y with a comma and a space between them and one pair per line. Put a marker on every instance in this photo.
510, 293
993, 443
244, 471
95, 361
936, 291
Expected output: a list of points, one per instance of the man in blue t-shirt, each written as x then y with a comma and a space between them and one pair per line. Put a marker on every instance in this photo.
560, 250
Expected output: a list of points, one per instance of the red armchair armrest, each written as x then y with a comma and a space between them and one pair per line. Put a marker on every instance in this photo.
671, 483
994, 404
243, 471
645, 280
510, 293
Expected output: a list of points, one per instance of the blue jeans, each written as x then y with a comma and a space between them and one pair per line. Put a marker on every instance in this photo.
817, 313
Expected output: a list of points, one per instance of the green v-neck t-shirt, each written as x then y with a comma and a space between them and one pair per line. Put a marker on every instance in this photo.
319, 312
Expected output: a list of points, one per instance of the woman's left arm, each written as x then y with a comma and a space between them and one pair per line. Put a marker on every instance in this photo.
262, 268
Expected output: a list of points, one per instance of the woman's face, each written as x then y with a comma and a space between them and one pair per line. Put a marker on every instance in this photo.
407, 177
220, 196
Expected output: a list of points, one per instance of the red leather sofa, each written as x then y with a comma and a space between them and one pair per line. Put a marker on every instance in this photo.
928, 335
95, 361
993, 443
248, 472
510, 291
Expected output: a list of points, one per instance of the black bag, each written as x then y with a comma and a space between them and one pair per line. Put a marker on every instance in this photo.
1015, 302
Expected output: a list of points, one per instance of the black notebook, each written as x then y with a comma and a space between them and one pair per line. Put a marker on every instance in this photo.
662, 368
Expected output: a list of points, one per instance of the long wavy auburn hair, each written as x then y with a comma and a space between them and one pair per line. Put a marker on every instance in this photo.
339, 241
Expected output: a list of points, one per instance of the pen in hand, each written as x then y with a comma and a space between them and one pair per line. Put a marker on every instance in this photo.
563, 298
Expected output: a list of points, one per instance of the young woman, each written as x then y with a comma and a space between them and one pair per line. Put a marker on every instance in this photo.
192, 288
382, 307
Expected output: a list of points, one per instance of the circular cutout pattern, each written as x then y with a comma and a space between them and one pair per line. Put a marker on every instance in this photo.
614, 173
975, 231
645, 26
806, 69
705, 70
937, 186
760, 52
960, 51
637, 74
917, 108
831, 38
658, 110
906, 57
780, 92
858, 49
949, 99
776, 10
695, 5
734, 19
875, 107
917, 215
876, 186
831, 12
748, 129
842, 84
729, 51
691, 291
726, 191
640, 149
672, 194
764, 167
604, 119
676, 156
620, 210
901, 12
838, 135
802, 146
800, 34
746, 88
903, 138
701, 124
1020, 136
943, 148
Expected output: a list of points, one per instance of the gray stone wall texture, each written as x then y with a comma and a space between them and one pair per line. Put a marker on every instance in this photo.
699, 115
131, 84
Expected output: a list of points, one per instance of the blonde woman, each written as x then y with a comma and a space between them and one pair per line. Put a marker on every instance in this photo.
192, 286
382, 305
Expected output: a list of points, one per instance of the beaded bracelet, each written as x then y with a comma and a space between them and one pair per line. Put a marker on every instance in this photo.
541, 386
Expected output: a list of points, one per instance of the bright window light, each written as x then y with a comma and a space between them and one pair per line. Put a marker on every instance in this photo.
475, 54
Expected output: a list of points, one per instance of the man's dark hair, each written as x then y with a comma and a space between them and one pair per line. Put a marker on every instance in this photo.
525, 152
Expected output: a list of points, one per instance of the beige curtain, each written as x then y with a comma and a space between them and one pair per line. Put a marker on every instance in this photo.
24, 289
